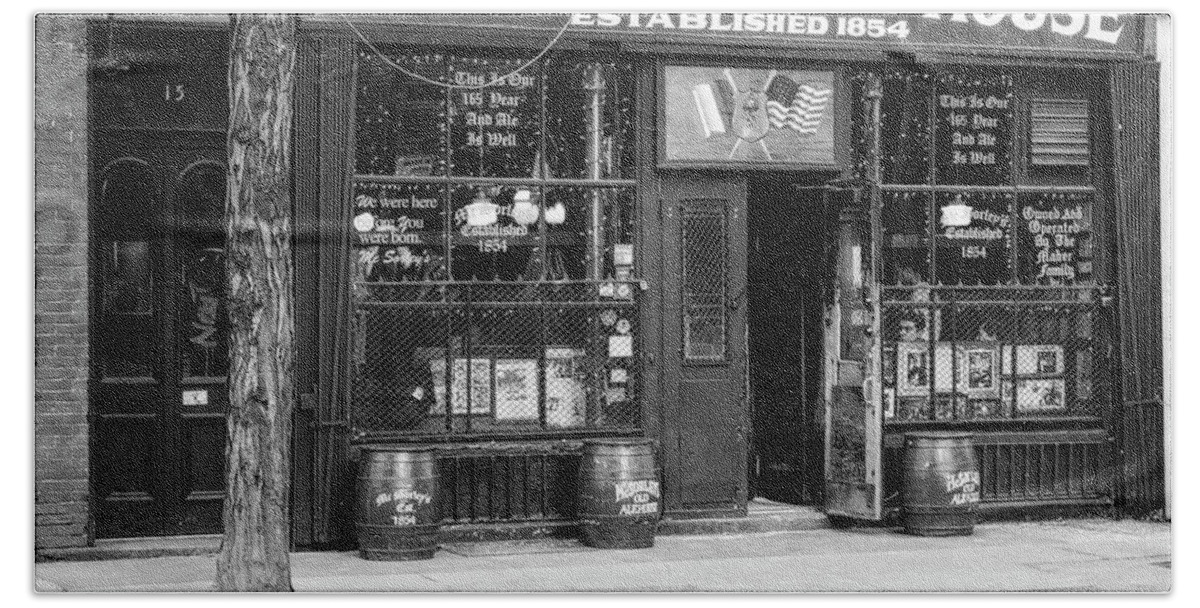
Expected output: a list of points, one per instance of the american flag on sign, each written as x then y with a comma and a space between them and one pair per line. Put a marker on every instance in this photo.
799, 107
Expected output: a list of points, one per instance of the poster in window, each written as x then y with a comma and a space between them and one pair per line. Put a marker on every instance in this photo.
480, 380
1033, 359
566, 396
516, 389
1037, 394
716, 115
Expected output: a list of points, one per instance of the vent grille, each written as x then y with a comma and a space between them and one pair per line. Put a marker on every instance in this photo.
1060, 133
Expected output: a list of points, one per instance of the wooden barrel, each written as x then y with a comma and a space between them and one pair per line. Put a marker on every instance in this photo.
941, 484
619, 493
397, 509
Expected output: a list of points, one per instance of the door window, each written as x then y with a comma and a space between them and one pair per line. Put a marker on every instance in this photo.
203, 321
704, 283
126, 280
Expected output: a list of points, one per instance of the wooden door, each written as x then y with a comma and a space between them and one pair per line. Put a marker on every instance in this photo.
158, 341
705, 421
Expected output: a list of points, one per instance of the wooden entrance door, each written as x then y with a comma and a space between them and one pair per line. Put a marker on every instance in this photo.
158, 343
705, 422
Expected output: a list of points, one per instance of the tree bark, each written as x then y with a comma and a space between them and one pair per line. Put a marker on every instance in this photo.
254, 551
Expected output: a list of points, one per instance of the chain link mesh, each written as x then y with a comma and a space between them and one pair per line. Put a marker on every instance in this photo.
466, 358
970, 353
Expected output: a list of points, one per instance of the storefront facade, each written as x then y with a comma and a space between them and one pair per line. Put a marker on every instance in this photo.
770, 243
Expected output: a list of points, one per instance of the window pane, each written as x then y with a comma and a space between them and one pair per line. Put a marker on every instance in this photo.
589, 118
496, 234
906, 229
127, 324
204, 322
974, 128
974, 238
399, 232
1000, 353
129, 289
1055, 238
205, 350
906, 133
126, 334
494, 131
400, 121
704, 280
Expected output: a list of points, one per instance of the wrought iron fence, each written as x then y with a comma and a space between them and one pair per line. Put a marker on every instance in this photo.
470, 358
1006, 352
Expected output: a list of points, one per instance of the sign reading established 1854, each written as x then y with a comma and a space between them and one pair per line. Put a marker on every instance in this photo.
994, 33
1091, 31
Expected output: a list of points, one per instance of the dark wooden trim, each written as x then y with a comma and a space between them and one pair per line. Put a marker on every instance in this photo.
333, 484
306, 201
518, 437
648, 248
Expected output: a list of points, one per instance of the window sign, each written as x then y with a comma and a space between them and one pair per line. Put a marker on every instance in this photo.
974, 129
398, 230
750, 117
1055, 234
974, 236
494, 131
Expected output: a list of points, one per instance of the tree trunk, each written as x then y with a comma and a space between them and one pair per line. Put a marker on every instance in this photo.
254, 551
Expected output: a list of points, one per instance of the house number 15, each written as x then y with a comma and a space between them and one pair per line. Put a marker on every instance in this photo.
173, 92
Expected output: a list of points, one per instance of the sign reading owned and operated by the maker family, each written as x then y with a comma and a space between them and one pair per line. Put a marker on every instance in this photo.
1110, 32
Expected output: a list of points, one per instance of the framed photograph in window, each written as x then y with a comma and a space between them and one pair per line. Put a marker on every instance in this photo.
912, 369
980, 371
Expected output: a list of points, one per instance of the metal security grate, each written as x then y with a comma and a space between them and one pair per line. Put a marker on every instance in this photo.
994, 353
494, 358
704, 283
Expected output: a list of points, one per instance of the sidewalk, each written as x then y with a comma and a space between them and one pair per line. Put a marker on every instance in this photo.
1071, 555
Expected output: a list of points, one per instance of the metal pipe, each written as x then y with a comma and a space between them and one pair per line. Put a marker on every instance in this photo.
594, 83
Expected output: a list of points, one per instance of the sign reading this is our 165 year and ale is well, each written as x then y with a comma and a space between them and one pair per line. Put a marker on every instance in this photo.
974, 129
493, 117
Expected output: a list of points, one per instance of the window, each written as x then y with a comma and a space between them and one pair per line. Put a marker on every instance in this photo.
993, 311
704, 282
128, 249
204, 322
493, 244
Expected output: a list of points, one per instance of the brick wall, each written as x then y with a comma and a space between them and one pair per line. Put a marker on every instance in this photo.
60, 283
